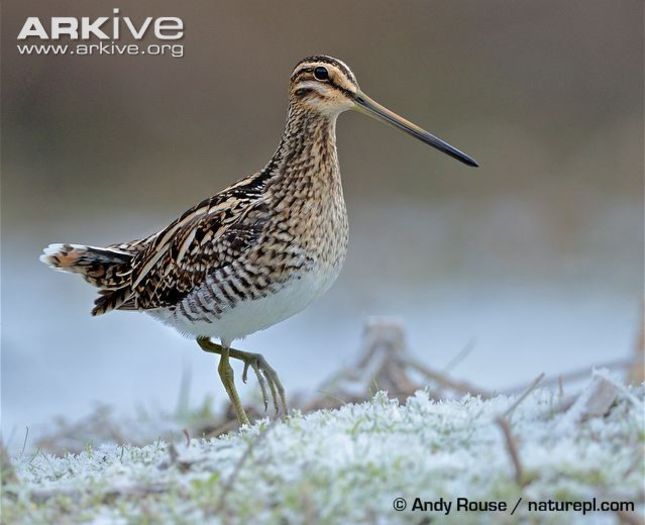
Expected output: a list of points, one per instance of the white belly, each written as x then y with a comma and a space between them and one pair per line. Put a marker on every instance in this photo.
250, 316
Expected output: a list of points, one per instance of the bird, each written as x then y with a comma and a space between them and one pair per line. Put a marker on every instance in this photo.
257, 252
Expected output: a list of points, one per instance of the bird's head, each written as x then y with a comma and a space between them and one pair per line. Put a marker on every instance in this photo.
327, 86
323, 84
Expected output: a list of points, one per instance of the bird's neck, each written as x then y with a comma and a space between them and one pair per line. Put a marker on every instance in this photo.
307, 150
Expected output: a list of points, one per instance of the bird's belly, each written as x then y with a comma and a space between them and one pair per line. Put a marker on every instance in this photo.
250, 315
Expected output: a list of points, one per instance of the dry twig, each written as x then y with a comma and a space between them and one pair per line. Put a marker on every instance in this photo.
575, 375
524, 395
511, 448
228, 486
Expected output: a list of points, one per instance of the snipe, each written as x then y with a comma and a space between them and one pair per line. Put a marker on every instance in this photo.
256, 253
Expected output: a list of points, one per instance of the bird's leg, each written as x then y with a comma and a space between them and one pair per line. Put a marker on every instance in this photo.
226, 375
264, 372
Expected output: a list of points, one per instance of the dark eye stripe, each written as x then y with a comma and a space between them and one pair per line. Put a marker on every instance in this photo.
303, 91
303, 76
306, 73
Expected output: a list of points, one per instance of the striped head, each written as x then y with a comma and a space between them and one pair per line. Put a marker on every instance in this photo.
325, 85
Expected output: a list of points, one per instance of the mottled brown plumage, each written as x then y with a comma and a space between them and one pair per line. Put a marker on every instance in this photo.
257, 252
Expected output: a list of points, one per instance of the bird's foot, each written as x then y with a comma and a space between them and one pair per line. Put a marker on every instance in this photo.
266, 375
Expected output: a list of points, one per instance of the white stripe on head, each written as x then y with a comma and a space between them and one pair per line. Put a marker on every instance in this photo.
311, 84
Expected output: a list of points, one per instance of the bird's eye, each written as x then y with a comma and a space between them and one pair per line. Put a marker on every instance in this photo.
321, 73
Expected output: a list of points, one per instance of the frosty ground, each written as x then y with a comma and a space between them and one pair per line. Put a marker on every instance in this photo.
347, 466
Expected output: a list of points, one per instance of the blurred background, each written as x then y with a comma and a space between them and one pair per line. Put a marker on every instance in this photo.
536, 257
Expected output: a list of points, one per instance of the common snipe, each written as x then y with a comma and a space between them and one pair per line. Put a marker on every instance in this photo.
259, 251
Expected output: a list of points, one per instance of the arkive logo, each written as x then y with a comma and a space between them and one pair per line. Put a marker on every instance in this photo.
107, 31
84, 28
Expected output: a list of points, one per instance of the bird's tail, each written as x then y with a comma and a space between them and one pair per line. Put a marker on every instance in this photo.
104, 268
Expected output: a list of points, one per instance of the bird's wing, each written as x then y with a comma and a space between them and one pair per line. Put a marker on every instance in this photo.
170, 264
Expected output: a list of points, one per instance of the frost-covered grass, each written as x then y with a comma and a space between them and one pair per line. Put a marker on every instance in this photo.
346, 466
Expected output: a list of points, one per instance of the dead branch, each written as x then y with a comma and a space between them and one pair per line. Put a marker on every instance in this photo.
575, 375
228, 486
444, 381
524, 395
511, 448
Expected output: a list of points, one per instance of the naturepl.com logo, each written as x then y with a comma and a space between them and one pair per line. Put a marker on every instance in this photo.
102, 35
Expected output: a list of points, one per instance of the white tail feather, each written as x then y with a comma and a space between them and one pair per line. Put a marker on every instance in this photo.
74, 257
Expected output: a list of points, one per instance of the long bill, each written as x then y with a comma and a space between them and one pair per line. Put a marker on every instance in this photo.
370, 107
